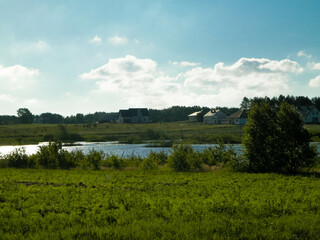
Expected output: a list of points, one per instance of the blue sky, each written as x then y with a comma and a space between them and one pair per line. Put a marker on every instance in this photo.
85, 56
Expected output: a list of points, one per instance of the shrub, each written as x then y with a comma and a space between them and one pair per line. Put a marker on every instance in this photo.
18, 158
48, 155
149, 164
183, 158
160, 158
132, 160
53, 156
78, 159
94, 159
115, 162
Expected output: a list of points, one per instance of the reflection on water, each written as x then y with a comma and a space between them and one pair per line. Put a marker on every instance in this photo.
122, 150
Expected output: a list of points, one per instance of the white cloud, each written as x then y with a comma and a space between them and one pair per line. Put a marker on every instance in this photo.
285, 65
246, 77
31, 102
314, 66
116, 40
7, 98
185, 64
315, 82
139, 82
96, 40
303, 54
16, 77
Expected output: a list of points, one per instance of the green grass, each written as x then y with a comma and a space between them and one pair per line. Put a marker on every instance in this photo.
60, 204
131, 133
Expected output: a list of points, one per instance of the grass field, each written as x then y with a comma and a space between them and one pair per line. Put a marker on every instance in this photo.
62, 204
130, 133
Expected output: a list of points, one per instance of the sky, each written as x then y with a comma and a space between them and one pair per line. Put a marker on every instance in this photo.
81, 56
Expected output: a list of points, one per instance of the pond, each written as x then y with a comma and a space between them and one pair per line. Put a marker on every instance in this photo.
121, 150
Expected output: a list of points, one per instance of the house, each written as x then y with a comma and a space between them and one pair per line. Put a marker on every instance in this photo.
214, 116
238, 118
194, 117
134, 115
310, 114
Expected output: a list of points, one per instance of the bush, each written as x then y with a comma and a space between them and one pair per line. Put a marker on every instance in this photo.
94, 159
184, 159
115, 162
17, 158
53, 156
148, 164
160, 158
78, 159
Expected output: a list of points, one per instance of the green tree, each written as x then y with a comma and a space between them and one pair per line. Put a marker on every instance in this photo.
295, 140
276, 141
24, 115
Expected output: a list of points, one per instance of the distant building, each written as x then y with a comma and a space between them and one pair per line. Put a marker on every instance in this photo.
194, 117
134, 115
214, 116
310, 114
238, 118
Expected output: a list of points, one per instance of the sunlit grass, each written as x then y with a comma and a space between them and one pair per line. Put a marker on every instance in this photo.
42, 204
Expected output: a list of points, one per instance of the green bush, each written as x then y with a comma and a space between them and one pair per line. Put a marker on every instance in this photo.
184, 159
160, 158
17, 158
78, 159
148, 164
133, 161
95, 158
218, 155
53, 156
115, 162
208, 156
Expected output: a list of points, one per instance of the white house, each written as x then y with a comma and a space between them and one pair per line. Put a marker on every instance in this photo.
310, 114
214, 116
193, 117
238, 118
134, 115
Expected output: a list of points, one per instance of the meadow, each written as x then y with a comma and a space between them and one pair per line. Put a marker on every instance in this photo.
128, 133
162, 204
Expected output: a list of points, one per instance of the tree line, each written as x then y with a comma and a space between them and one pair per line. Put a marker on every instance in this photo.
172, 114
298, 101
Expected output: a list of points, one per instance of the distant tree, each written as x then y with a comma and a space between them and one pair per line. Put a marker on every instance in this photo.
5, 119
80, 118
316, 102
245, 104
51, 118
302, 101
276, 141
24, 115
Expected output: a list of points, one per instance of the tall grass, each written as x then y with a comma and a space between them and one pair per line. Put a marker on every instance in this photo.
60, 204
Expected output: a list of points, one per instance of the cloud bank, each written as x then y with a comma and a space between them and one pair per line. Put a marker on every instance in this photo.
142, 83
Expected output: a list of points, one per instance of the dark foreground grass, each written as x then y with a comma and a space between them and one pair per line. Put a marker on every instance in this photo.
61, 204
